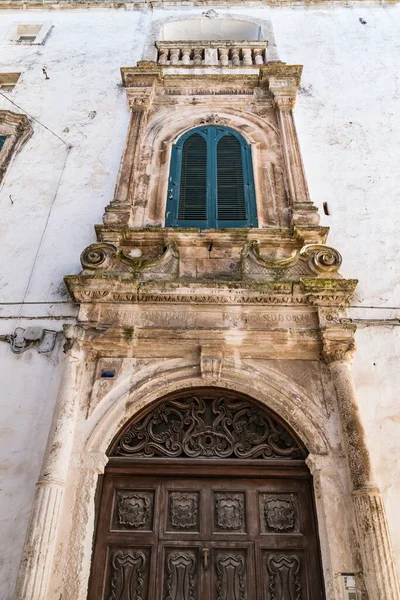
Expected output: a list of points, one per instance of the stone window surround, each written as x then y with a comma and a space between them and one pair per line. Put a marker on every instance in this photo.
166, 105
18, 130
40, 37
8, 81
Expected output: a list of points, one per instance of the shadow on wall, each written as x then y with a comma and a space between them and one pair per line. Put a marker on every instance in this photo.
215, 29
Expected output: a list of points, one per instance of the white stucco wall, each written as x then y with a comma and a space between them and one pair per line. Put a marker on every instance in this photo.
347, 117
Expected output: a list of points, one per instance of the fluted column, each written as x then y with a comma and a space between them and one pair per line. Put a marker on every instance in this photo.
38, 553
379, 569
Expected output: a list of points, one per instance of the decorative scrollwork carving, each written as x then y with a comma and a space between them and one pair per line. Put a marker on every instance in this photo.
231, 577
107, 258
127, 575
214, 119
229, 510
97, 256
284, 580
180, 576
135, 510
184, 510
219, 427
279, 513
322, 259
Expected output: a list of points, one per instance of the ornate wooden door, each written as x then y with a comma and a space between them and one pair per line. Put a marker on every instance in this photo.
201, 529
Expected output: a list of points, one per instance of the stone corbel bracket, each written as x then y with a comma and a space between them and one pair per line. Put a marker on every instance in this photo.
211, 363
316, 259
105, 258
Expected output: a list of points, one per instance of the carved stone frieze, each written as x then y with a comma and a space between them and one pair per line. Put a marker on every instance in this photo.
198, 426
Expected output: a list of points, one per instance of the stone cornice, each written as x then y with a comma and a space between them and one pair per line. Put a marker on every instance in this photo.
151, 4
275, 75
307, 292
123, 235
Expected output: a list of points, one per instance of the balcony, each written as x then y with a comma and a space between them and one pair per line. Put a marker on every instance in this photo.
212, 53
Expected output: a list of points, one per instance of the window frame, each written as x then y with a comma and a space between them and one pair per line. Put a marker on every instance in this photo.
212, 135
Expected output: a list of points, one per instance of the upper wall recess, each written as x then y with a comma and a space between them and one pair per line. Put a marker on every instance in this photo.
211, 29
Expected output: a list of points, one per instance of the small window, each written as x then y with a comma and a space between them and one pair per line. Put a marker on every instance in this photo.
27, 33
8, 81
211, 181
30, 33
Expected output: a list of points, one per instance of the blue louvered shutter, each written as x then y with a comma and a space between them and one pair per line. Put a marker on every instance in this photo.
2, 140
211, 181
231, 204
192, 204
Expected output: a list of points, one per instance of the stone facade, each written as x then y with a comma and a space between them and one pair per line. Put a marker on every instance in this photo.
267, 312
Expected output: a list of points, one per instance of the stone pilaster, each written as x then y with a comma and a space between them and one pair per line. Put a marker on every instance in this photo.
284, 91
38, 553
379, 569
140, 92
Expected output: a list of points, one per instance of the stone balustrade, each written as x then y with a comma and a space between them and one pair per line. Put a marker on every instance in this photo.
216, 53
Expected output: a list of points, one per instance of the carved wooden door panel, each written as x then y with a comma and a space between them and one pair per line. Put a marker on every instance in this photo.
233, 537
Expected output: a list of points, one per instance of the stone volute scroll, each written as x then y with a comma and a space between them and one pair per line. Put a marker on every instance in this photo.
375, 546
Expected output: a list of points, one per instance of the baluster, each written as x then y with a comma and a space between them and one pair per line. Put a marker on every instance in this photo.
235, 57
198, 56
162, 56
223, 57
174, 56
247, 60
186, 56
258, 56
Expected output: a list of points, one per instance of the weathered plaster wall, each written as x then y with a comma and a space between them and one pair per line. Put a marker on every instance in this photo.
349, 134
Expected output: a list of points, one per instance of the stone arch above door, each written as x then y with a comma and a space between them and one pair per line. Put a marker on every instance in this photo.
206, 495
207, 423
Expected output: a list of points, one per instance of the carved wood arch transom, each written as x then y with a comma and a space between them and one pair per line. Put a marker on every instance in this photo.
207, 424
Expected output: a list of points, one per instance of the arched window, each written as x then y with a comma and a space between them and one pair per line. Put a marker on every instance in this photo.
211, 181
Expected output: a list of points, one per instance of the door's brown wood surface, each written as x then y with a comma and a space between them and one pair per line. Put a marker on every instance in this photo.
206, 538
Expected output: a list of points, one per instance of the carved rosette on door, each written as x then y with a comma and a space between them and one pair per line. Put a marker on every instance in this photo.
206, 529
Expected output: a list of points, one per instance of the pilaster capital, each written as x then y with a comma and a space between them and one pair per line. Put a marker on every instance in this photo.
140, 82
283, 90
284, 103
338, 344
139, 98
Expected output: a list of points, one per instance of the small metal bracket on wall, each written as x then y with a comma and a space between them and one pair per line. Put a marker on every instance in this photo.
24, 339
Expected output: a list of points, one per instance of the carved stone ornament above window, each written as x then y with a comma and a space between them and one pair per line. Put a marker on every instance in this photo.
201, 425
15, 130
